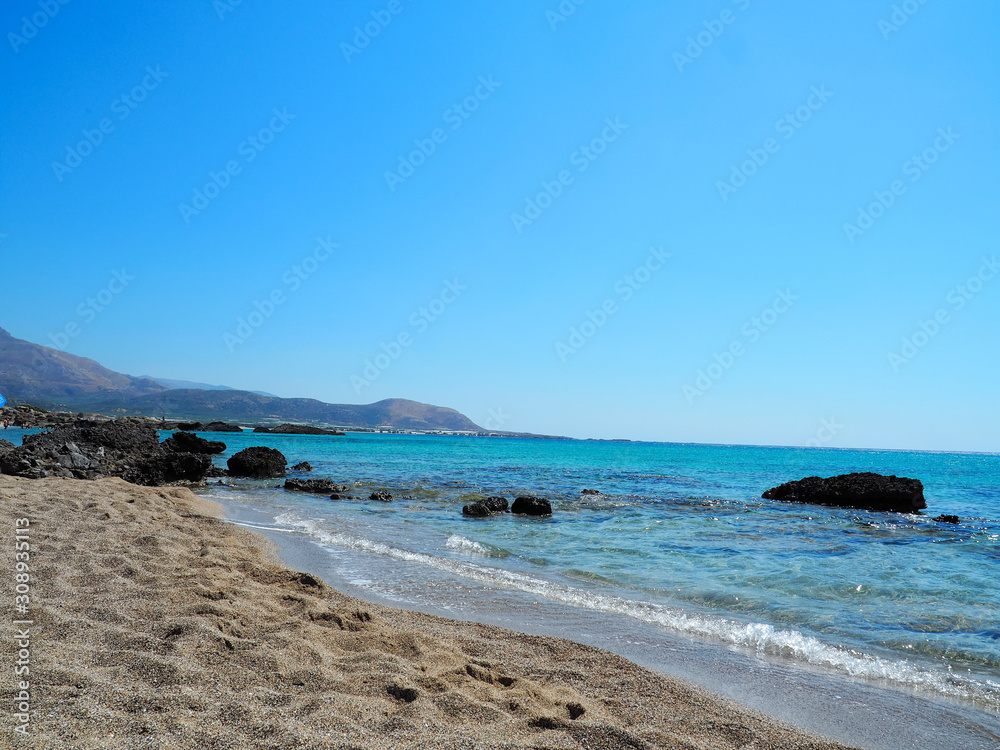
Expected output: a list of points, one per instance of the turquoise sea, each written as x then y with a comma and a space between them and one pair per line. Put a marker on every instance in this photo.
679, 538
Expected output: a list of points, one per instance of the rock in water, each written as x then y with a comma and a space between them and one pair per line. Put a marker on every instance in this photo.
531, 506
302, 466
948, 518
188, 442
315, 486
865, 490
381, 495
488, 507
257, 462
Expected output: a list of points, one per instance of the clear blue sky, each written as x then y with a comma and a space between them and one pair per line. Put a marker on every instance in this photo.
633, 115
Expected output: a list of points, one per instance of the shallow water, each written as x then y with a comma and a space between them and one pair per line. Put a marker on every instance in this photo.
681, 539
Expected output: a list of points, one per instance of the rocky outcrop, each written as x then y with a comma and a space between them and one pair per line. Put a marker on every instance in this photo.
531, 506
124, 448
188, 442
865, 490
947, 518
302, 466
315, 486
257, 462
590, 492
296, 429
381, 495
220, 427
489, 506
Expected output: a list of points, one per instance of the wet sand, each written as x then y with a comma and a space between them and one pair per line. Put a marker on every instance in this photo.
157, 625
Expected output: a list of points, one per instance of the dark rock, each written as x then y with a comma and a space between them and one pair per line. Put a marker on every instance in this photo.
169, 467
590, 492
947, 518
531, 506
315, 486
6, 445
190, 426
302, 466
214, 472
258, 462
220, 427
296, 429
380, 495
487, 507
339, 496
188, 442
126, 448
865, 490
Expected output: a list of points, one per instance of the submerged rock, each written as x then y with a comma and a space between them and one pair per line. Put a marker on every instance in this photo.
590, 492
188, 442
947, 518
486, 507
296, 429
220, 427
315, 486
381, 495
258, 462
531, 506
865, 490
302, 466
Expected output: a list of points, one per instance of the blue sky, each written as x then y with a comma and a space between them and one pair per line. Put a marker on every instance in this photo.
572, 220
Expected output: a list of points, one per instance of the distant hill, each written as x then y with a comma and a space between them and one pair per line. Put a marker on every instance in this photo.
30, 373
52, 379
171, 383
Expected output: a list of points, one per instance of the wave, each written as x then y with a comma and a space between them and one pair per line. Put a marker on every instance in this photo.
759, 637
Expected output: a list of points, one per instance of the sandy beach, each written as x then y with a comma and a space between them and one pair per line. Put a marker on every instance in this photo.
157, 625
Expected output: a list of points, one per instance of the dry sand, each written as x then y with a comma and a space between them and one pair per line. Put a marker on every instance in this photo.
160, 626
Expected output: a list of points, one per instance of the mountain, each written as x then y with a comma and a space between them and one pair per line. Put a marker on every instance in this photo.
30, 373
171, 383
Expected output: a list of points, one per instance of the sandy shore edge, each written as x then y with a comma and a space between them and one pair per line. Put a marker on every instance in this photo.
159, 625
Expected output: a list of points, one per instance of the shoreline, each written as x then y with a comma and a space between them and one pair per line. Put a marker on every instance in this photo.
156, 623
827, 703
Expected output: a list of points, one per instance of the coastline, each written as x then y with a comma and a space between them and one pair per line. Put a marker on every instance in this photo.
157, 623
827, 703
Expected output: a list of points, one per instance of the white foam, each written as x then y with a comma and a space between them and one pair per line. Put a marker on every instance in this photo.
761, 637
461, 544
